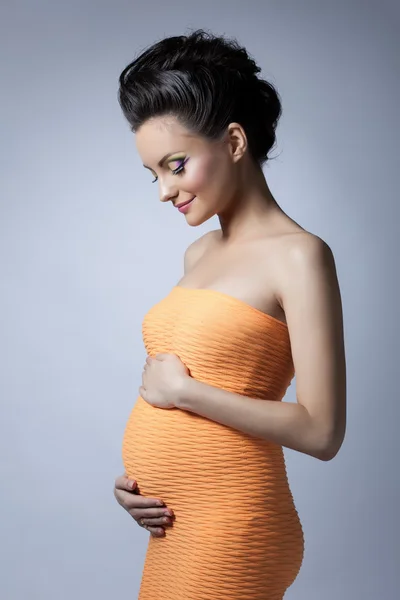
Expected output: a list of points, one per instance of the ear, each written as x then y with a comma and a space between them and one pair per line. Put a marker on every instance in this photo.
237, 141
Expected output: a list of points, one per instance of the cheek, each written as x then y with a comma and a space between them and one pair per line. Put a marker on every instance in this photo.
205, 175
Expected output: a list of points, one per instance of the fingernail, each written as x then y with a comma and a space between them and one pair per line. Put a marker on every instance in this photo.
131, 484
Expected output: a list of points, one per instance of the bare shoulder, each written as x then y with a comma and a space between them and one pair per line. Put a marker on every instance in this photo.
307, 288
303, 252
198, 248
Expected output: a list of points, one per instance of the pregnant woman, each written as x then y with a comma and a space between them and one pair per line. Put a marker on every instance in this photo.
259, 302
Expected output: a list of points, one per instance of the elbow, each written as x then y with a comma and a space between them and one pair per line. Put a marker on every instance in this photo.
329, 447
326, 454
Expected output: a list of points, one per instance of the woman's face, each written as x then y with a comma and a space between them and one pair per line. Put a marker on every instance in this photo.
187, 166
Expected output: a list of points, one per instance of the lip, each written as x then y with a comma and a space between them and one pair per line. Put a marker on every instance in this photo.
184, 206
184, 203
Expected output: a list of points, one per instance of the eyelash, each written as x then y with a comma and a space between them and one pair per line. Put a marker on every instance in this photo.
175, 171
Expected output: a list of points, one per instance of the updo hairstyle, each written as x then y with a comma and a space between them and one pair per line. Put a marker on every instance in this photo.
206, 82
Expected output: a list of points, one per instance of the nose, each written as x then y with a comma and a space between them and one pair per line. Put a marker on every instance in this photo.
167, 192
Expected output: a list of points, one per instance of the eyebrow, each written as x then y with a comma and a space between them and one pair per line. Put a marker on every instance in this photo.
164, 158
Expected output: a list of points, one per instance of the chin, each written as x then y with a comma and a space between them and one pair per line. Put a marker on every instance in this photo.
195, 219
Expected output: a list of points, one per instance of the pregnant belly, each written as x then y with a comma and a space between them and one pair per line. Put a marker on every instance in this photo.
224, 486
185, 460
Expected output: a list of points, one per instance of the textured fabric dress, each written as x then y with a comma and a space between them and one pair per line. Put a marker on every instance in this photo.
236, 533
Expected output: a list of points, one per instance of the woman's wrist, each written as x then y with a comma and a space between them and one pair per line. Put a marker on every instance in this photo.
186, 393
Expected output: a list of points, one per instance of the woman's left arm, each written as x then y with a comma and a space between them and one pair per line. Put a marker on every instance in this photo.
315, 425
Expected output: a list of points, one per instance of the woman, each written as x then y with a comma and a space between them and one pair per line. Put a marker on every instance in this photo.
258, 302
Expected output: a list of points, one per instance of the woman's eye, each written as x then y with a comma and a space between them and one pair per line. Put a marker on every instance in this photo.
178, 169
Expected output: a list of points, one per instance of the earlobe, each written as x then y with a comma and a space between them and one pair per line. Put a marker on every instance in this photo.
239, 152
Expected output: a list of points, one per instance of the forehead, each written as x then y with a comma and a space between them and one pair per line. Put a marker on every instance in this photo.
162, 135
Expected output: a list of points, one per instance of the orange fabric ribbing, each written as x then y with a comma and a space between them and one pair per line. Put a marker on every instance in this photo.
237, 534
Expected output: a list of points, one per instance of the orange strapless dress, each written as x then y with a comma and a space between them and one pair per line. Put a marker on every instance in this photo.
237, 533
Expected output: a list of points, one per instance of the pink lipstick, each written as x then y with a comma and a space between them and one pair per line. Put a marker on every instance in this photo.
184, 207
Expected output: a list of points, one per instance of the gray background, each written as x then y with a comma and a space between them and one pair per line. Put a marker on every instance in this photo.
86, 248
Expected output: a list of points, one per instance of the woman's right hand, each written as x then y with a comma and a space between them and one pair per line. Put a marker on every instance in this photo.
155, 518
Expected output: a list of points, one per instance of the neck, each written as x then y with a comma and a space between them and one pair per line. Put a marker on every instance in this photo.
251, 209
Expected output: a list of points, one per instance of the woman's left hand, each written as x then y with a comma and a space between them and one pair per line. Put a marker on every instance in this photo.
163, 380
